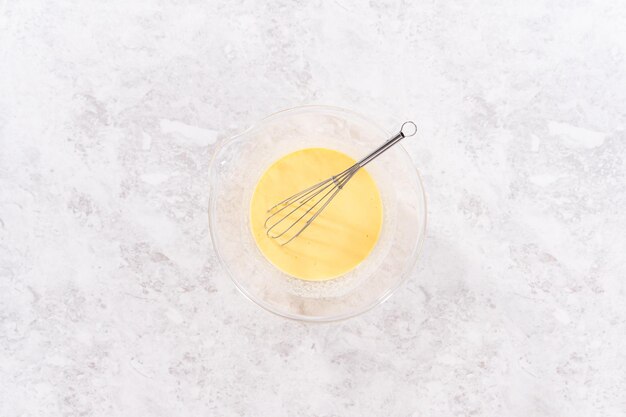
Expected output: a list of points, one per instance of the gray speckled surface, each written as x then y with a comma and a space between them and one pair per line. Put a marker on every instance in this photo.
111, 298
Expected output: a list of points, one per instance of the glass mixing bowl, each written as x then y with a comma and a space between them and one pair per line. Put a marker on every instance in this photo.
239, 163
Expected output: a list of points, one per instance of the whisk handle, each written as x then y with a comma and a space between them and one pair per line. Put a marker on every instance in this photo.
408, 129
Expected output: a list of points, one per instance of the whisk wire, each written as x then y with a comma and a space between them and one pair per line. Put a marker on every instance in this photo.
335, 182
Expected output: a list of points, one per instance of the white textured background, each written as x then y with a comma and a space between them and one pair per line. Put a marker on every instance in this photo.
112, 302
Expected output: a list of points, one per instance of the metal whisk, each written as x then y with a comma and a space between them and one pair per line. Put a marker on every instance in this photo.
321, 194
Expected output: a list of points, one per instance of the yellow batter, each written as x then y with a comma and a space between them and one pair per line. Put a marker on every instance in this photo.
340, 238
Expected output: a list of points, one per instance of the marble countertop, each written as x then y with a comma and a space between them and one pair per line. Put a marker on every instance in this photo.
113, 303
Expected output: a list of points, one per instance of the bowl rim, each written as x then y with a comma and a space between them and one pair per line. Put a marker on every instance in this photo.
409, 267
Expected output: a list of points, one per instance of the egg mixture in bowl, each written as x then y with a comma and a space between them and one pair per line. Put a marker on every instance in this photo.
339, 239
355, 254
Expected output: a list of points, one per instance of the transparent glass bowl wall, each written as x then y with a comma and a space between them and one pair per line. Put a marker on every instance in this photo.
240, 162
